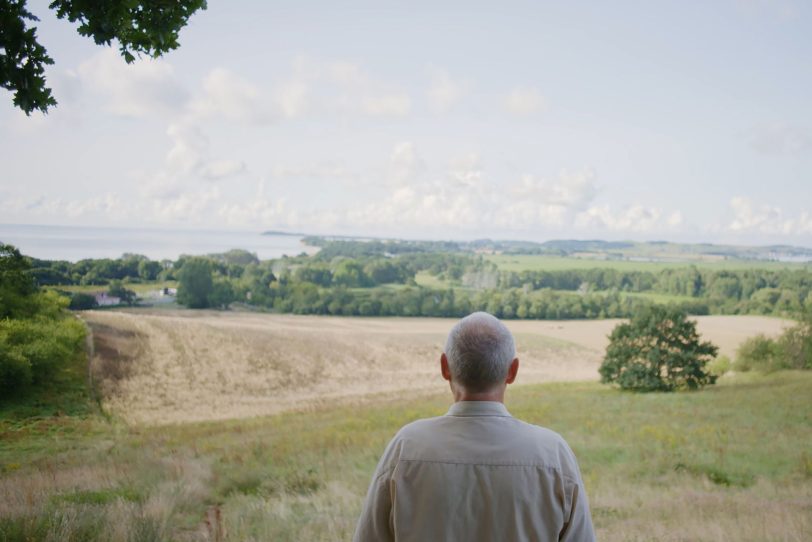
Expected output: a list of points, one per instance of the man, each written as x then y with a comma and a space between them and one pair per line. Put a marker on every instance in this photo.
476, 473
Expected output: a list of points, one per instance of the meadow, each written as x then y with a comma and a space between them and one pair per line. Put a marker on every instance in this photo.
731, 462
169, 366
534, 262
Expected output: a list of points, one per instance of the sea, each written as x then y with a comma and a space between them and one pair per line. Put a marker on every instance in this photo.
73, 243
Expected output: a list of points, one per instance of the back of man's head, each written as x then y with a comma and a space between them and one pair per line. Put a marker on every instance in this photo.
479, 349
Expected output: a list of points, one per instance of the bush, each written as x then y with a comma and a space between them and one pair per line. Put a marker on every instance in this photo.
81, 302
795, 346
759, 353
37, 337
32, 351
792, 350
658, 350
720, 366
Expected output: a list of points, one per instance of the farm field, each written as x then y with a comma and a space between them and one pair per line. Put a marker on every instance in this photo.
526, 262
731, 462
164, 366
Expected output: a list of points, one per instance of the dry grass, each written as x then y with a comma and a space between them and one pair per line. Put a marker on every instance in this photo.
728, 463
169, 367
694, 510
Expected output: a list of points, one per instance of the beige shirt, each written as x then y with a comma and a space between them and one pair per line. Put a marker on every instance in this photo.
474, 474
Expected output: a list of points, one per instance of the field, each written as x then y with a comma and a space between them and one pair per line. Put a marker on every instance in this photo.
179, 366
524, 262
732, 462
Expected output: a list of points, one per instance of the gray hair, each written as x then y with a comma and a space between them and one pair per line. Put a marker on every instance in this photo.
479, 349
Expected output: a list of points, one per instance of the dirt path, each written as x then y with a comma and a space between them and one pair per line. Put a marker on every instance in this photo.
161, 367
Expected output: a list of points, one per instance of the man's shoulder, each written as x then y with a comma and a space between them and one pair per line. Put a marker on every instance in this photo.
420, 426
505, 423
539, 432
504, 437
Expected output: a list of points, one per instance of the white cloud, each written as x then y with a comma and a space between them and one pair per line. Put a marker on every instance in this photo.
444, 92
766, 219
635, 218
145, 87
524, 101
464, 199
187, 162
108, 207
419, 208
189, 147
675, 219
349, 89
259, 212
190, 206
568, 190
227, 95
466, 171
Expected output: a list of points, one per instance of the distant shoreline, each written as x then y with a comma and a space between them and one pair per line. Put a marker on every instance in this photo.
74, 243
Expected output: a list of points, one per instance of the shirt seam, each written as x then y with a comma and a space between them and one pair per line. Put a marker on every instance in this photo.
479, 416
479, 464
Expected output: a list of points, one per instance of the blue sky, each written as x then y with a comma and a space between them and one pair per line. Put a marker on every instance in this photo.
686, 121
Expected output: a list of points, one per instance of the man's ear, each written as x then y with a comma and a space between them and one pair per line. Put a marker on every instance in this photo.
444, 370
512, 371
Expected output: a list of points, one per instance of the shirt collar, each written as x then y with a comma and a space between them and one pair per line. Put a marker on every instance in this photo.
478, 408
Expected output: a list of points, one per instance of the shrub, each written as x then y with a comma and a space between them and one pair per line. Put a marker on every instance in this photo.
759, 353
81, 302
32, 351
720, 365
792, 350
795, 345
658, 350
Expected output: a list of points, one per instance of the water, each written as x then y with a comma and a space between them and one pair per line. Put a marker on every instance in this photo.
75, 243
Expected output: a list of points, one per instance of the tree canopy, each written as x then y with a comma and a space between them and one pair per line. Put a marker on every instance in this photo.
658, 350
148, 27
195, 283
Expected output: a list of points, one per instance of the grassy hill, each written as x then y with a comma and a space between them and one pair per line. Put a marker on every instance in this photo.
731, 462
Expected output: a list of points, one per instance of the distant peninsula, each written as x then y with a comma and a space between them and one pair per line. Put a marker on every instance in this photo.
288, 233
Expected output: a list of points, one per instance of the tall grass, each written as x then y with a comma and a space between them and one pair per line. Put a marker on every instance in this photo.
732, 462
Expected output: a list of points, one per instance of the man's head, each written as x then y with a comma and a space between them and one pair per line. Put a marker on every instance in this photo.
480, 355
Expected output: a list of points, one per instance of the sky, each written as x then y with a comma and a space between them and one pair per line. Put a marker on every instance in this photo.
680, 121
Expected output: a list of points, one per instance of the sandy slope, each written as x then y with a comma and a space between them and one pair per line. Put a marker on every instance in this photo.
178, 366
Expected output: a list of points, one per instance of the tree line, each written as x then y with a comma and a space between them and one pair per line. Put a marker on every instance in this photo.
380, 279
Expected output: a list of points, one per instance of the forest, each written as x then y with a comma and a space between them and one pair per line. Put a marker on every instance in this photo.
392, 278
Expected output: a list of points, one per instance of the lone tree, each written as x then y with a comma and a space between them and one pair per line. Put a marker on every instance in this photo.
658, 350
148, 27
